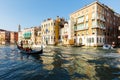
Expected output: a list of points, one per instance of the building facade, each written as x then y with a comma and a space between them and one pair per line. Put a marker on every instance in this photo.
4, 37
119, 33
48, 31
66, 33
13, 37
94, 25
28, 36
38, 37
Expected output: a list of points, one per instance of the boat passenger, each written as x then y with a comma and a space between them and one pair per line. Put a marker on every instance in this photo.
28, 49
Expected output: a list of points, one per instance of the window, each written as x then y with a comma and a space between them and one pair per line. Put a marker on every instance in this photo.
108, 14
97, 39
80, 19
93, 15
92, 40
86, 17
93, 23
93, 31
80, 26
86, 25
100, 40
103, 40
103, 11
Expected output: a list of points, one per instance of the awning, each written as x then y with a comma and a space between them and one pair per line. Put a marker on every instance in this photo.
27, 35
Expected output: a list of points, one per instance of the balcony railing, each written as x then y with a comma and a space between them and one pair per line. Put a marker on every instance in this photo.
83, 28
101, 27
99, 18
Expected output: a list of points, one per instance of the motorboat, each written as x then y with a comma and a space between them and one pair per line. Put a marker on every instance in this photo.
107, 46
38, 46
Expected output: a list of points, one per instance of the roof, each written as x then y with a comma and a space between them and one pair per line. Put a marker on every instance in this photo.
103, 5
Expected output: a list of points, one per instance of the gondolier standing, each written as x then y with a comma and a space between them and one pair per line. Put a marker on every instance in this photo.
21, 43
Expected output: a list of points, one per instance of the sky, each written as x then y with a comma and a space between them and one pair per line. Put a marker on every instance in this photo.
30, 13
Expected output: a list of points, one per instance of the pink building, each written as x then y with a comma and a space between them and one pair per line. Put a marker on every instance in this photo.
13, 37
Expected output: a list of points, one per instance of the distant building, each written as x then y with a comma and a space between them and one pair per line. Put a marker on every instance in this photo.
28, 36
94, 25
4, 37
13, 37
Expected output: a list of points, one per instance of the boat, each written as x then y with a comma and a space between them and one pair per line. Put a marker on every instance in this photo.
29, 51
38, 46
107, 46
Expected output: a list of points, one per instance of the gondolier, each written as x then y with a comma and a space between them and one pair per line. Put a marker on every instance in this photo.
21, 43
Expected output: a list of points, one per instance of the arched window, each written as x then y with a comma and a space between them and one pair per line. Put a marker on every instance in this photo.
92, 40
97, 39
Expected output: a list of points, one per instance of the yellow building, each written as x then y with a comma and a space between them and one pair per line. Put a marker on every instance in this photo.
51, 31
94, 25
47, 31
59, 31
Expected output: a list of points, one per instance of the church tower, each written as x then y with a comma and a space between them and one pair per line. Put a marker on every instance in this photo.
19, 28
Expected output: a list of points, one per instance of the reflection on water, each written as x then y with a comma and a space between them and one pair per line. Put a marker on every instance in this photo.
61, 63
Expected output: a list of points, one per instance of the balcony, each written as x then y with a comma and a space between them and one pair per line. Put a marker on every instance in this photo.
95, 26
80, 21
100, 27
82, 28
101, 18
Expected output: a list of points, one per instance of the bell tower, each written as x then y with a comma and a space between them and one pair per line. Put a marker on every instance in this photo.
19, 28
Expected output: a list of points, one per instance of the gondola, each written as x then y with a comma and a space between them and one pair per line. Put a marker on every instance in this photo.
23, 50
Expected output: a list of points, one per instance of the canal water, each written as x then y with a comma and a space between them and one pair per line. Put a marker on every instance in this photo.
60, 63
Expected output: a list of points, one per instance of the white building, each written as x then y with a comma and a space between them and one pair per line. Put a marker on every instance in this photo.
47, 31
27, 35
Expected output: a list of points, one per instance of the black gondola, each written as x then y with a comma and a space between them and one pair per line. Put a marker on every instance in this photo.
24, 50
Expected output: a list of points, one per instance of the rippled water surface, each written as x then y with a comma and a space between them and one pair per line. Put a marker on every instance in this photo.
60, 63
